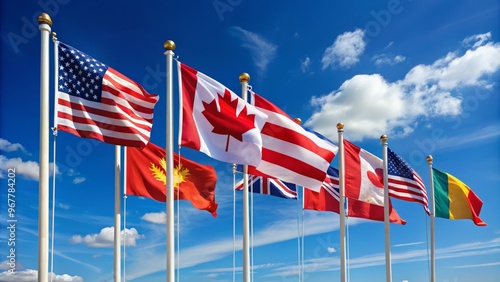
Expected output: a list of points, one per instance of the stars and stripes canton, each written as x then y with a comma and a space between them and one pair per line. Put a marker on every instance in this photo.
96, 101
404, 183
269, 186
79, 74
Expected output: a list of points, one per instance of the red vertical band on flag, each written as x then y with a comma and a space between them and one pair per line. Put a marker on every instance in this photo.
190, 137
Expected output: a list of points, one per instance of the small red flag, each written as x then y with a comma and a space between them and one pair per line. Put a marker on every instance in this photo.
192, 181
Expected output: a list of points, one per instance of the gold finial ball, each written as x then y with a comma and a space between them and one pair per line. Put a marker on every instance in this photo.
298, 121
384, 138
429, 158
44, 18
244, 77
340, 125
53, 34
169, 45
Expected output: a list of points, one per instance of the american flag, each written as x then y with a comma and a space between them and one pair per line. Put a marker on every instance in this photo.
269, 186
404, 183
96, 101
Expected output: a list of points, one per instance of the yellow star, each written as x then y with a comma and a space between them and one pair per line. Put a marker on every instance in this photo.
181, 174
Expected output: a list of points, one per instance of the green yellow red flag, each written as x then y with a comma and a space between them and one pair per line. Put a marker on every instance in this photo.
454, 199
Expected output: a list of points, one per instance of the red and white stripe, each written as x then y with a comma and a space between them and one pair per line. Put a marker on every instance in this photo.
408, 190
289, 152
123, 117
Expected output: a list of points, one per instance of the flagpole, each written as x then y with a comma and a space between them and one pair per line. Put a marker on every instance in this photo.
433, 261
300, 239
340, 130
117, 241
234, 223
54, 148
124, 254
44, 22
387, 227
169, 46
244, 78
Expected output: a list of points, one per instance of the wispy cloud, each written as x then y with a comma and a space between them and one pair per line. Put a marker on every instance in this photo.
261, 49
408, 244
89, 266
384, 59
477, 40
345, 50
462, 250
7, 146
485, 133
78, 180
372, 106
305, 65
478, 265
63, 206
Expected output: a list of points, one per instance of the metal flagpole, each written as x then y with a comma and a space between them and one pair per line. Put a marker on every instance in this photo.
433, 261
124, 254
387, 228
340, 130
234, 223
54, 148
45, 22
169, 45
117, 241
299, 237
244, 78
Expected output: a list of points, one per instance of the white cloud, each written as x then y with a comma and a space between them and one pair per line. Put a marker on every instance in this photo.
345, 51
89, 266
331, 250
155, 217
63, 206
106, 238
30, 275
78, 180
389, 45
383, 59
6, 146
366, 104
407, 244
477, 40
478, 265
370, 106
28, 169
6, 265
305, 65
262, 50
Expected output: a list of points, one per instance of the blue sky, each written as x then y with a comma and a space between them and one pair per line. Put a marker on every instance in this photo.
424, 72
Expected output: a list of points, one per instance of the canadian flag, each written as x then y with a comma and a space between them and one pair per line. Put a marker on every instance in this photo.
217, 122
364, 182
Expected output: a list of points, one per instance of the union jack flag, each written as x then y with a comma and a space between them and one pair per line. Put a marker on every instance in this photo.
269, 186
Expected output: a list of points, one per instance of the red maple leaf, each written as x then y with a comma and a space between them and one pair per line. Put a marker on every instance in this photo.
226, 121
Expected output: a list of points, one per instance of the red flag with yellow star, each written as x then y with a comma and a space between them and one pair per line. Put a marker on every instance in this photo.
145, 175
